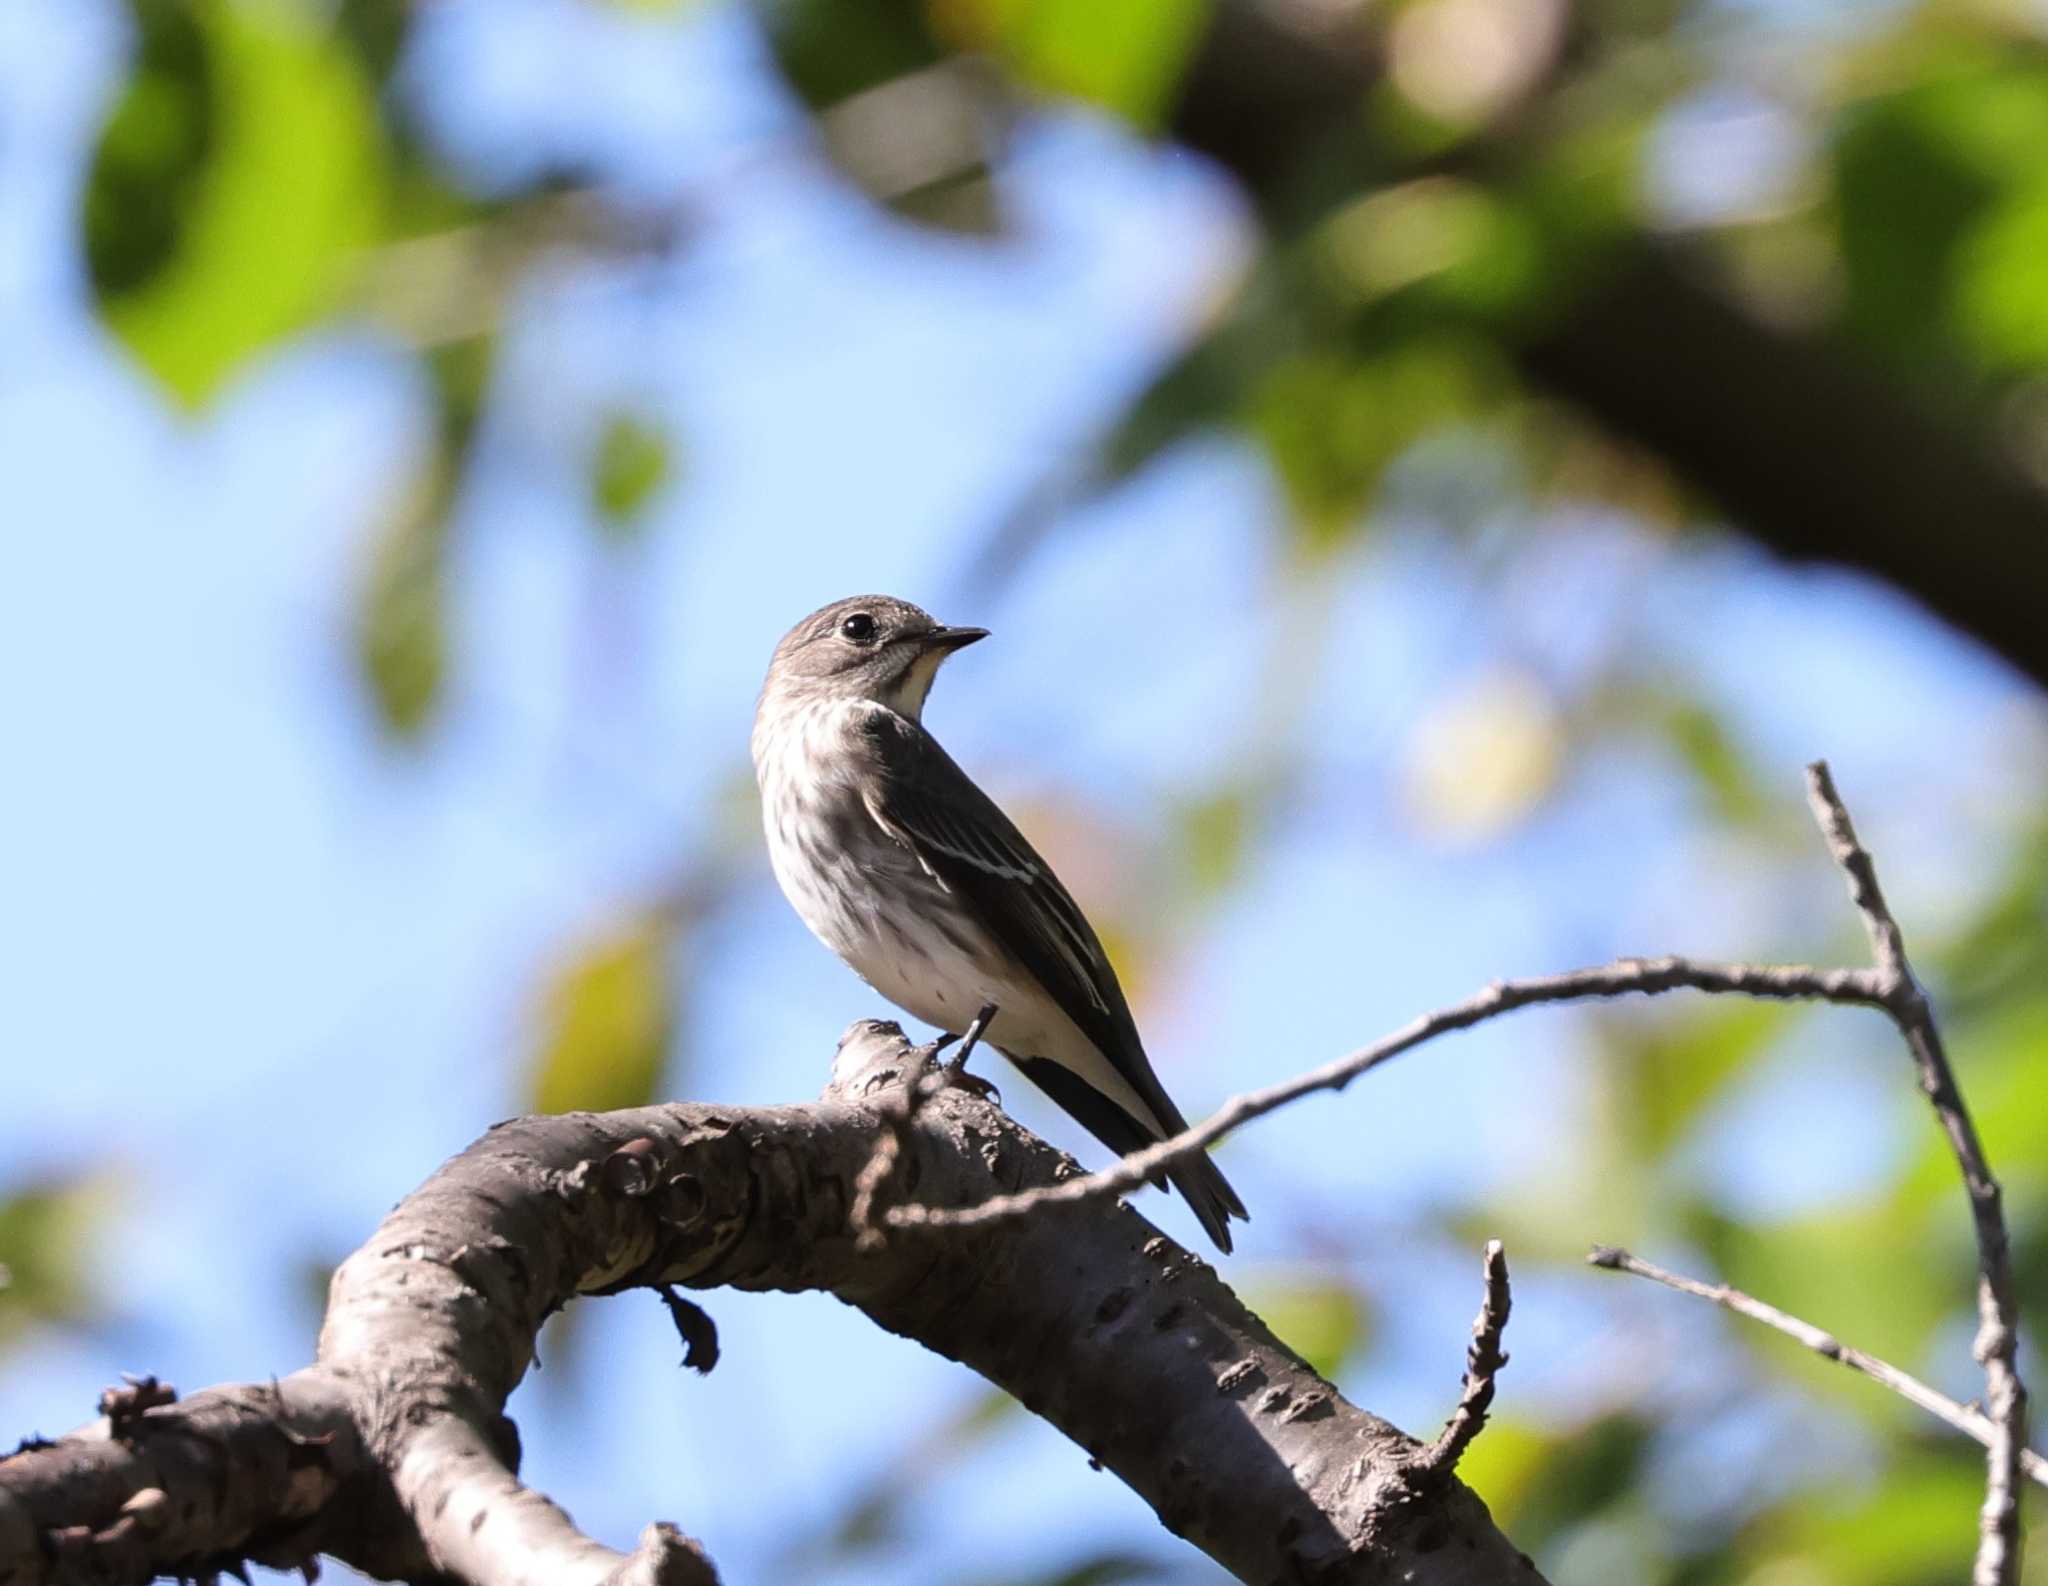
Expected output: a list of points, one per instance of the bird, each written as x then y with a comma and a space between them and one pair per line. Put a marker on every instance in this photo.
913, 875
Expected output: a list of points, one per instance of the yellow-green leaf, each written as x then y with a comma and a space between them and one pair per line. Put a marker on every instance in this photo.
1126, 57
250, 136
1875, 1272
1332, 421
44, 1233
1214, 833
1918, 1525
1484, 757
1323, 1321
401, 637
632, 462
1673, 1066
606, 1020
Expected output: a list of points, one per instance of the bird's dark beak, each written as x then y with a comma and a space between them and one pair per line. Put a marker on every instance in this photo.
950, 639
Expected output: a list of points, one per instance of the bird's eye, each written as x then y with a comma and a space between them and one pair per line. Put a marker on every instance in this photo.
860, 627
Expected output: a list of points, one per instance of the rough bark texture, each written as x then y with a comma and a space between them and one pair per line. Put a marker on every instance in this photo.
1809, 450
392, 1450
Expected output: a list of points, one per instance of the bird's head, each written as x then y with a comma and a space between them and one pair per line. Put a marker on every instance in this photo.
865, 647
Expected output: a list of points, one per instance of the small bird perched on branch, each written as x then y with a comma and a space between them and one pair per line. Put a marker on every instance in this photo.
913, 876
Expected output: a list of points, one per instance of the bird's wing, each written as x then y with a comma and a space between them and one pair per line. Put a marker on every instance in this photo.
969, 846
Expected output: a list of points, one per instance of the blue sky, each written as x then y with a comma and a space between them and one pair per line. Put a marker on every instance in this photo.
263, 973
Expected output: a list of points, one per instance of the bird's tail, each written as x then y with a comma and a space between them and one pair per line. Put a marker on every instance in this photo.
1199, 1180
1209, 1195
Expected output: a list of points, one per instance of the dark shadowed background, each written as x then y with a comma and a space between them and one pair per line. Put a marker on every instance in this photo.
1371, 436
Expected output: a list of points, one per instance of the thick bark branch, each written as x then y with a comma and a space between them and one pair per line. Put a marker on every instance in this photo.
1130, 1345
235, 1472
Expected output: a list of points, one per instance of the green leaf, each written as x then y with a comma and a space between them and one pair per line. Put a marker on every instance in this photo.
1324, 1321
1719, 767
632, 462
607, 1017
247, 151
2002, 955
2002, 1067
2001, 290
1125, 57
1843, 1271
401, 637
377, 30
1505, 1463
1098, 1569
1458, 247
1672, 1067
45, 1232
1917, 173
1595, 1467
1207, 385
153, 151
911, 126
1215, 832
833, 49
1918, 1526
1333, 422
874, 1515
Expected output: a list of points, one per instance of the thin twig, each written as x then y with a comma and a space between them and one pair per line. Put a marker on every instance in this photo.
1965, 1418
1624, 977
897, 1111
1888, 985
1483, 1361
1997, 1343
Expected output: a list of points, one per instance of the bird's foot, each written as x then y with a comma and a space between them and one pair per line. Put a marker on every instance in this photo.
953, 1077
926, 1054
952, 1074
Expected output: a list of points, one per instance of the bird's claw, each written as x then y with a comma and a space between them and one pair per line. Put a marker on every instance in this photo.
926, 1055
952, 1074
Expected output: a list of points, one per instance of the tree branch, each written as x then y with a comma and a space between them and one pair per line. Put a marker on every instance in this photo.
234, 1472
1483, 1361
1998, 1339
1625, 977
1131, 1346
1889, 985
1965, 1418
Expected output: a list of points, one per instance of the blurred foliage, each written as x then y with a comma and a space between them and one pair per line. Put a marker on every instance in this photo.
1670, 1067
1957, 148
1540, 1487
1125, 58
880, 1509
607, 1021
905, 124
235, 177
1101, 1569
401, 613
1325, 1321
45, 1232
1484, 759
631, 465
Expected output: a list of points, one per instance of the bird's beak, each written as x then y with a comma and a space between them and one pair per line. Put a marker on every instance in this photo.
949, 639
